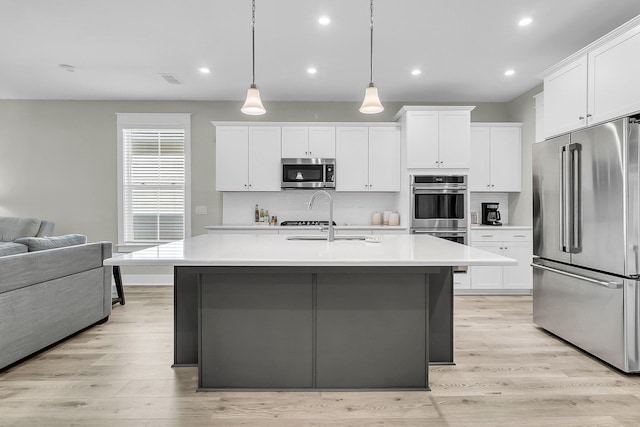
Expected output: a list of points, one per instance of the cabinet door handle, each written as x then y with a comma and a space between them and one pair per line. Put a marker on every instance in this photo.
492, 185
581, 118
486, 235
519, 235
588, 115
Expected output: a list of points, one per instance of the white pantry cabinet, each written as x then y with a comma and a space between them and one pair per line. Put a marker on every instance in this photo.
367, 158
595, 84
309, 142
436, 137
511, 242
495, 157
248, 158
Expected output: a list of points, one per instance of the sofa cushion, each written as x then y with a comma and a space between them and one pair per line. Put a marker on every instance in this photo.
43, 243
12, 228
10, 248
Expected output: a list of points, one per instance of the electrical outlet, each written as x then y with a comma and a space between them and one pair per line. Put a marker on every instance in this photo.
201, 210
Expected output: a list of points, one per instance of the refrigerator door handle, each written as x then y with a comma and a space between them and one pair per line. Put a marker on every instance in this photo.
565, 195
575, 232
610, 285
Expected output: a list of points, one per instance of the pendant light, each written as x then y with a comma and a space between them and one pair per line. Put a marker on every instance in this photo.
371, 103
253, 105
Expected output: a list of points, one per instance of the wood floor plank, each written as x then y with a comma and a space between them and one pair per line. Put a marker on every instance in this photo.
508, 372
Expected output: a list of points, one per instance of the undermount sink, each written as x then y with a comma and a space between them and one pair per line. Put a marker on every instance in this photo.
323, 237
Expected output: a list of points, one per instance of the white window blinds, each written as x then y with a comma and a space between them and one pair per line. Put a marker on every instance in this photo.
153, 177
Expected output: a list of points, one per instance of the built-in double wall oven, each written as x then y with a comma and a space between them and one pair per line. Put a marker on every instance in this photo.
438, 206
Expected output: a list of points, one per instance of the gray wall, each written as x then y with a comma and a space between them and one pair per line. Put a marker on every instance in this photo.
522, 109
58, 158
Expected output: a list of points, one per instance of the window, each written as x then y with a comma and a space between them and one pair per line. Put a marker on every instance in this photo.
153, 179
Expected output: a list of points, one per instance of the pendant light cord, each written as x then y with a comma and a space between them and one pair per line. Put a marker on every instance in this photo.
253, 42
371, 48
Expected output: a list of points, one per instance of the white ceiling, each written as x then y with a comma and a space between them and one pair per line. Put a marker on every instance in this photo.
462, 46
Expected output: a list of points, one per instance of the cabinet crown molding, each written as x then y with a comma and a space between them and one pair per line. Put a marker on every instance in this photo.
408, 108
310, 124
632, 23
497, 124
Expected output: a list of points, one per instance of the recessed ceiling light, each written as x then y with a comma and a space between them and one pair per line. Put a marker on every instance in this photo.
525, 21
204, 70
416, 72
509, 72
311, 70
324, 20
67, 67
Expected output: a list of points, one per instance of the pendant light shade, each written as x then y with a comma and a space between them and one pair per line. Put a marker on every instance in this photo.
371, 103
253, 105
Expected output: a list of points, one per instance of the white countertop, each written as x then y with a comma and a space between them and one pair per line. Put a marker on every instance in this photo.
501, 227
275, 250
304, 227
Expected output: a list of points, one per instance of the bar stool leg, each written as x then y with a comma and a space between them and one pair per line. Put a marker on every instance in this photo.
119, 289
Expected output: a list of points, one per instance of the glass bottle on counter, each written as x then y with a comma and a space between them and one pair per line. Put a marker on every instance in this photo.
261, 218
266, 216
257, 214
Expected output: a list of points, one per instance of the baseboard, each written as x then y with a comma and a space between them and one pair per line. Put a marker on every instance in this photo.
147, 279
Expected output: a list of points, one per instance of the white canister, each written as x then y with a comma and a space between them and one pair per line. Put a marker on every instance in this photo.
376, 218
385, 217
394, 218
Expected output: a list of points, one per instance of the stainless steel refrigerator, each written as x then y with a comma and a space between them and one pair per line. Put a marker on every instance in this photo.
586, 202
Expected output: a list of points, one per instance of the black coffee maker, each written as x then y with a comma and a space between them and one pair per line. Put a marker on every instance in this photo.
490, 214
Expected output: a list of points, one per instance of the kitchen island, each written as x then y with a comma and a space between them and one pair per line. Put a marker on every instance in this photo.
260, 311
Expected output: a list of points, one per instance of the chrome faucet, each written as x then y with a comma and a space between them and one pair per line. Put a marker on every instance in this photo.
313, 198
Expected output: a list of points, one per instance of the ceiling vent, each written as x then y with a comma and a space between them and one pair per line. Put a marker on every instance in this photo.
171, 78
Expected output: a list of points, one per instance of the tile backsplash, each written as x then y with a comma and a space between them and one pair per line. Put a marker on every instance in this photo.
348, 208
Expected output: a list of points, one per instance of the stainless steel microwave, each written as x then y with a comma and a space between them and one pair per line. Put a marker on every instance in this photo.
308, 173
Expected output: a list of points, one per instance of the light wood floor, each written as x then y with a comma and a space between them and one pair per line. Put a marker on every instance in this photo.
508, 373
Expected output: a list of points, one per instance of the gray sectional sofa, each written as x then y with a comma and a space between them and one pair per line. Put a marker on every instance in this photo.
50, 287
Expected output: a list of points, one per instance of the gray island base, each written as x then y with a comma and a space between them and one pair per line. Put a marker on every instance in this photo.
313, 327
261, 312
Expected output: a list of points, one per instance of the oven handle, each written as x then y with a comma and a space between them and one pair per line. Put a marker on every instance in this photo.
441, 233
438, 190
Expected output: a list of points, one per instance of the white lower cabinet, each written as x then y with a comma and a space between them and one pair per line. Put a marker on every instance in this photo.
512, 243
461, 280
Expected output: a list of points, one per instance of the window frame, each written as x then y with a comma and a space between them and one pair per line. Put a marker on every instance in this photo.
152, 121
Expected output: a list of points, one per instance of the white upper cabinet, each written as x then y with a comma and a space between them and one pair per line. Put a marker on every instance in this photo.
232, 158
248, 158
613, 78
437, 137
596, 84
322, 142
421, 129
495, 157
384, 159
453, 139
565, 96
352, 159
309, 142
367, 159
